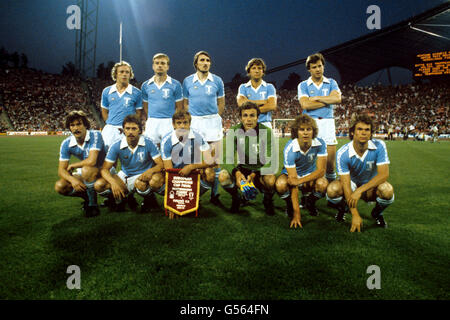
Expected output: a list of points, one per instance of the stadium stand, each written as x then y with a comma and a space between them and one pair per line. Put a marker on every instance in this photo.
35, 100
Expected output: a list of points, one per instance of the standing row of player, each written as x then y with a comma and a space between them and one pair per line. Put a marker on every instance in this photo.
202, 94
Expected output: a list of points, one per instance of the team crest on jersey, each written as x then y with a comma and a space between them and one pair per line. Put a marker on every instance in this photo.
311, 92
140, 156
325, 92
165, 93
112, 99
195, 87
369, 165
153, 91
310, 157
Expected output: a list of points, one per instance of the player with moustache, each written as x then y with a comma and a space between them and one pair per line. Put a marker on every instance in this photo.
141, 167
204, 99
77, 179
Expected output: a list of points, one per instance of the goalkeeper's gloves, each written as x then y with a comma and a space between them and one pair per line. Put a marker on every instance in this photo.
249, 190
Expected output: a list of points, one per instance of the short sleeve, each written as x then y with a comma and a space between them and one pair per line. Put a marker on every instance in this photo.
289, 156
271, 92
113, 152
138, 104
241, 91
302, 90
382, 155
185, 89
342, 163
334, 86
144, 92
154, 153
64, 154
178, 92
221, 88
105, 103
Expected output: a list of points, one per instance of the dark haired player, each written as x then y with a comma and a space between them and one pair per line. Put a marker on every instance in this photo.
77, 179
258, 91
141, 167
204, 99
252, 141
317, 97
363, 168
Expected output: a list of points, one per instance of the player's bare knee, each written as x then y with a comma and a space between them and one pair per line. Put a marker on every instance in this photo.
156, 181
141, 185
321, 185
281, 184
89, 174
334, 189
269, 181
100, 185
61, 187
224, 178
385, 191
210, 175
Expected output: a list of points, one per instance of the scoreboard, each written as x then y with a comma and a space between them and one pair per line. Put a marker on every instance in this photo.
432, 64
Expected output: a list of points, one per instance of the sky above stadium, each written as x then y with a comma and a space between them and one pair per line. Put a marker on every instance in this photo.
232, 31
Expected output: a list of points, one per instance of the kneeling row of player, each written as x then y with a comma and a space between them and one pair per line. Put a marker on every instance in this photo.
362, 165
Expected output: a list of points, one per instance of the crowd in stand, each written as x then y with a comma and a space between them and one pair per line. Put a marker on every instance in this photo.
39, 101
36, 100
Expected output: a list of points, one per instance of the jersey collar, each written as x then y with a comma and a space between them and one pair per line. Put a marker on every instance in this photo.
124, 143
113, 89
73, 141
168, 79
352, 152
249, 83
209, 77
324, 80
175, 140
296, 147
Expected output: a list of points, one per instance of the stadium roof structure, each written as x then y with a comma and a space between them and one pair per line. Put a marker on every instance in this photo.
394, 46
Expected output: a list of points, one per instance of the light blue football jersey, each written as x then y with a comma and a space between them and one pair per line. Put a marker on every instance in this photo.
263, 92
308, 88
361, 169
120, 105
137, 162
203, 96
304, 162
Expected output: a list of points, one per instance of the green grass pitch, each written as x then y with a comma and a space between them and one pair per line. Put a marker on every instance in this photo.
221, 255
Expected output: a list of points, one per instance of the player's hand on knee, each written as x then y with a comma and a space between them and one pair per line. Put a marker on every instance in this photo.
78, 185
146, 176
117, 191
356, 223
